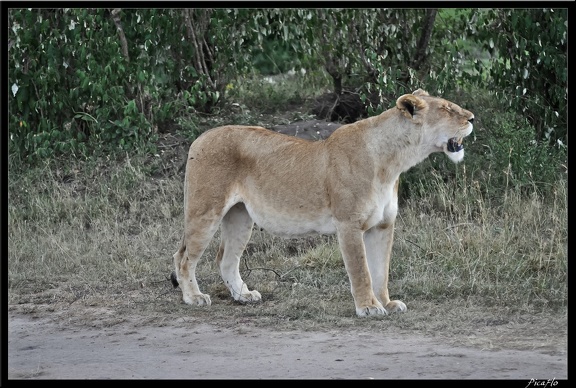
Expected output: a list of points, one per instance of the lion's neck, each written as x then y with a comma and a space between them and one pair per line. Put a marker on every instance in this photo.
393, 147
381, 141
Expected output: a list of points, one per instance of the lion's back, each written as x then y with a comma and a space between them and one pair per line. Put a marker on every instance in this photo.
248, 146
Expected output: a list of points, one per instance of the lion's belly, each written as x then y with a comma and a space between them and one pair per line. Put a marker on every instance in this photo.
291, 224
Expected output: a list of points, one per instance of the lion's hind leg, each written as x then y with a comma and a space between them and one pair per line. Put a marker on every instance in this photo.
197, 236
236, 229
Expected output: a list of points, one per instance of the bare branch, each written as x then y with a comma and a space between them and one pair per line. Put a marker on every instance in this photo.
329, 64
421, 55
121, 35
199, 57
191, 37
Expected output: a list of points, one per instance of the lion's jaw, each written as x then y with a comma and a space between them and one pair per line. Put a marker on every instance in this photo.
453, 147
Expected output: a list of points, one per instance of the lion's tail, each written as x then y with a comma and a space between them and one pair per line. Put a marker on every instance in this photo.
178, 256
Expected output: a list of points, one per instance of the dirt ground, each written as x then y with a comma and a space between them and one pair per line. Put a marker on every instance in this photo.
45, 349
41, 347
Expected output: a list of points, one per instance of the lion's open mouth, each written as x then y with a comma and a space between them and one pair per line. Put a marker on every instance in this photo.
455, 145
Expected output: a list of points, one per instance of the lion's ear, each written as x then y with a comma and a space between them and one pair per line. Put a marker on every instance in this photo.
409, 104
420, 92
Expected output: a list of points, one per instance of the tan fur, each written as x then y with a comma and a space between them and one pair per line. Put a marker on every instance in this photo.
346, 184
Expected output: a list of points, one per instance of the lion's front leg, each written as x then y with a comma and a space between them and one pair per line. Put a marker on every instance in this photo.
378, 241
354, 254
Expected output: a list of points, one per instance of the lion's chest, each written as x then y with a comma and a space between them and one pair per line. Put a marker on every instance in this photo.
381, 208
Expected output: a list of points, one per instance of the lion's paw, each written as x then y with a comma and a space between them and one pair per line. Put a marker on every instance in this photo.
198, 300
396, 306
370, 311
250, 297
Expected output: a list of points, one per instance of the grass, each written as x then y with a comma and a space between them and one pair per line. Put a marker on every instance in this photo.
92, 242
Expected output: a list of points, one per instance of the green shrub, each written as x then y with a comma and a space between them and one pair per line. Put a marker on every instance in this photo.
84, 80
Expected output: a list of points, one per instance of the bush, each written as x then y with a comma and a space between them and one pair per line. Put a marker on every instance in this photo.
85, 80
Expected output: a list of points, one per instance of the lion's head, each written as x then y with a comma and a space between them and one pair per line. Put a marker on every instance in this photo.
444, 123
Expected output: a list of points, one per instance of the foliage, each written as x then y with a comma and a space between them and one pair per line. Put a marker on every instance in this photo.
377, 53
275, 57
99, 79
69, 85
529, 68
85, 80
506, 155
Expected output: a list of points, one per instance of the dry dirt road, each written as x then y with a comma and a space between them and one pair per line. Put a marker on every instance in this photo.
43, 349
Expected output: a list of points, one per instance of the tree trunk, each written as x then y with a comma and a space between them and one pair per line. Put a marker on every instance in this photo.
335, 74
421, 55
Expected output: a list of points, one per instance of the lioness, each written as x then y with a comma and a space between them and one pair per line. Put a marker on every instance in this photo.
346, 184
